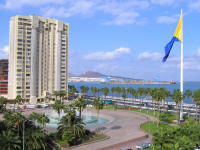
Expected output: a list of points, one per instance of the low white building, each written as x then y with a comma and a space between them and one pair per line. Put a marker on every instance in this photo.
85, 79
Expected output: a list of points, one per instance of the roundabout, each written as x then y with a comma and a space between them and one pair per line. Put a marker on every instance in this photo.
123, 129
121, 126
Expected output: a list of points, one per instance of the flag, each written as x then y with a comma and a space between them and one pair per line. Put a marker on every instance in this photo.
178, 36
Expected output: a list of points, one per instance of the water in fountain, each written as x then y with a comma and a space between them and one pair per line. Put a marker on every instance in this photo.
88, 118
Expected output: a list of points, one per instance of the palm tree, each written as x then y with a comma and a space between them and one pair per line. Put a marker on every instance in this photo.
113, 89
164, 95
118, 91
129, 90
98, 105
160, 98
18, 100
43, 120
187, 94
86, 89
37, 139
14, 120
154, 95
58, 106
94, 90
124, 96
80, 103
56, 94
140, 92
9, 141
72, 90
34, 116
9, 119
133, 93
71, 127
196, 99
70, 111
62, 94
105, 91
177, 97
18, 119
82, 89
3, 103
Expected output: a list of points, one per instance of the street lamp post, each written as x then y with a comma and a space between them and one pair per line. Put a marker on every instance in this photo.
23, 132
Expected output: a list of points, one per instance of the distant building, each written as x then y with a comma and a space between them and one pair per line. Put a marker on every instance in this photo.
38, 58
86, 79
3, 77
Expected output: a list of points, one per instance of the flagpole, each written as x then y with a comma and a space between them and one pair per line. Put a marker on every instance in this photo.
181, 80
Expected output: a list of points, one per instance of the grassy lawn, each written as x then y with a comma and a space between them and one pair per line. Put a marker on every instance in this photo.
152, 127
92, 138
165, 117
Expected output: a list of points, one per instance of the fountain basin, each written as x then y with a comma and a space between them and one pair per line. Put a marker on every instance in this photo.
88, 118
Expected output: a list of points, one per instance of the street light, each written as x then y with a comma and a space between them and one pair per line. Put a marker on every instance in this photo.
23, 132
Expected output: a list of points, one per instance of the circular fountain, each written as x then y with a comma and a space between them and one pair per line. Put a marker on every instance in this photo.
88, 118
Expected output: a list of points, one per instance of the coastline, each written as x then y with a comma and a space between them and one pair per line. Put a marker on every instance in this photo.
131, 83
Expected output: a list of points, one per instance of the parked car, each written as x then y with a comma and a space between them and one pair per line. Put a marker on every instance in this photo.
30, 106
142, 145
126, 148
44, 105
13, 108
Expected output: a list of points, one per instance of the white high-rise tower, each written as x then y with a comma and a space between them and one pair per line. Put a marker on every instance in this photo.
38, 57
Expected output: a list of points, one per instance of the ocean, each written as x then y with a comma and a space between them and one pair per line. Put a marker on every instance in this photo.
187, 85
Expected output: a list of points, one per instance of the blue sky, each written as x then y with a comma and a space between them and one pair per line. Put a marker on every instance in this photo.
119, 37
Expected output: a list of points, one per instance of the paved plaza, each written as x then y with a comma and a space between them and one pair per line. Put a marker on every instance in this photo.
123, 130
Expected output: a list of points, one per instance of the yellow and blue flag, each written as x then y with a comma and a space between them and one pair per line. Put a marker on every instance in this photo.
178, 36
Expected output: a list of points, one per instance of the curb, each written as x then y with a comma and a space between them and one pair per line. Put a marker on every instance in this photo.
121, 143
87, 143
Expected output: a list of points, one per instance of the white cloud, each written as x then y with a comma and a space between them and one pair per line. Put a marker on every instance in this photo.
150, 56
189, 62
106, 68
167, 19
197, 53
17, 4
79, 7
4, 52
122, 12
195, 5
163, 2
124, 18
99, 56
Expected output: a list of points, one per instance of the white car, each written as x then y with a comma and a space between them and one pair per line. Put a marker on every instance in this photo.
44, 105
13, 108
31, 106
89, 105
142, 145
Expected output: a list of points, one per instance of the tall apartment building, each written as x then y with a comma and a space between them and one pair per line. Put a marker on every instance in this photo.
3, 77
38, 58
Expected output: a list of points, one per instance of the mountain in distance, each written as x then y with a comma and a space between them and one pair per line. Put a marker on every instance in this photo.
91, 74
71, 75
